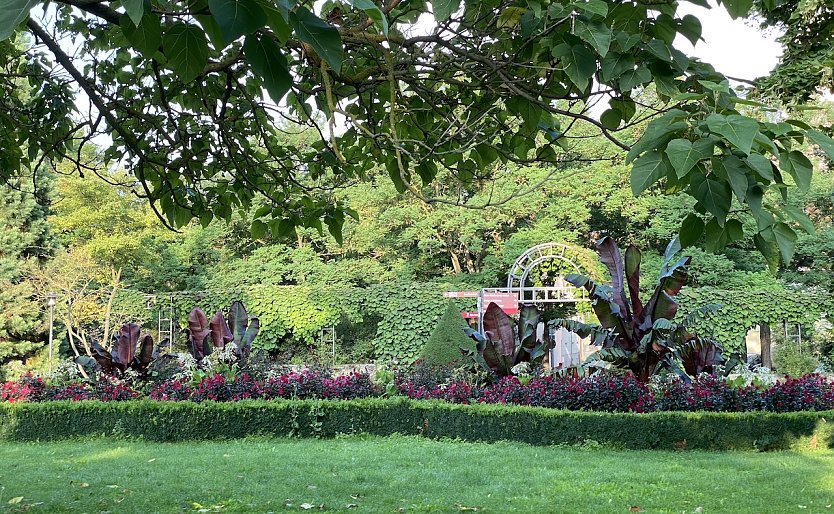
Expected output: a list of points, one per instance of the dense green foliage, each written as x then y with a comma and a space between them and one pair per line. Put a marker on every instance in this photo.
404, 474
177, 421
189, 105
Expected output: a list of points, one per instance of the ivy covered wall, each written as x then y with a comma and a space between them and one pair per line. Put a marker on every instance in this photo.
743, 309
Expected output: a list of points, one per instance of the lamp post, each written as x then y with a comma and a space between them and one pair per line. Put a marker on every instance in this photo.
50, 301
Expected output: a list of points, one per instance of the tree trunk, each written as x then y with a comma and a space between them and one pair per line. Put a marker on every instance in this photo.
764, 339
455, 263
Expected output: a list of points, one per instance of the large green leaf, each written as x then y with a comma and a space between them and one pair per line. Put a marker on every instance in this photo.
658, 132
580, 64
147, 36
823, 141
692, 229
186, 49
322, 36
443, 9
630, 79
738, 8
267, 61
374, 13
135, 9
761, 165
527, 110
690, 28
684, 155
647, 170
714, 195
785, 240
12, 13
800, 168
614, 65
738, 130
765, 242
800, 217
734, 170
595, 34
237, 17
528, 320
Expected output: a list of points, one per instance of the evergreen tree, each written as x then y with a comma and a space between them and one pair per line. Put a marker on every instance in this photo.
447, 339
24, 239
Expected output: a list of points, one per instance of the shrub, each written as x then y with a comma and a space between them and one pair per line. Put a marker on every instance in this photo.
178, 421
788, 360
446, 340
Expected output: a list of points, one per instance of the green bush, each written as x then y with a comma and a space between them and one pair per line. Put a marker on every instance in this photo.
176, 421
447, 338
787, 360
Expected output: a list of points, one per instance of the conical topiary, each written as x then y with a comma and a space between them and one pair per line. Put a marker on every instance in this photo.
447, 338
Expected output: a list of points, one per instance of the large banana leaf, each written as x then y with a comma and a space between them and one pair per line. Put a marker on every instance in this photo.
146, 351
528, 321
609, 254
219, 330
244, 329
700, 356
632, 272
198, 331
126, 341
500, 326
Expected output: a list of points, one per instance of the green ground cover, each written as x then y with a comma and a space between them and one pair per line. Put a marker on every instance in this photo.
403, 474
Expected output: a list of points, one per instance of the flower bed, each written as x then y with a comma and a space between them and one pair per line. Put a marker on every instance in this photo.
599, 392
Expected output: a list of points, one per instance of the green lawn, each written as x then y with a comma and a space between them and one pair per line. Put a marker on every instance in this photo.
403, 474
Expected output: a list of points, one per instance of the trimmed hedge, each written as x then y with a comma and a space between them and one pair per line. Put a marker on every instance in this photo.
179, 421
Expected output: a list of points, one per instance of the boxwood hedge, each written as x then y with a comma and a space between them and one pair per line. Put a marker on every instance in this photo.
179, 421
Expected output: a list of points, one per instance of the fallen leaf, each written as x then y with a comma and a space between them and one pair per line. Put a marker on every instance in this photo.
306, 506
803, 506
151, 460
16, 500
112, 486
351, 506
83, 485
635, 508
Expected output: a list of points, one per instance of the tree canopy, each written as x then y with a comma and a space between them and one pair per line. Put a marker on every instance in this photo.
190, 96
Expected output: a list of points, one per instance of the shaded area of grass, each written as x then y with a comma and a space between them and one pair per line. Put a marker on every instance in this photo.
403, 474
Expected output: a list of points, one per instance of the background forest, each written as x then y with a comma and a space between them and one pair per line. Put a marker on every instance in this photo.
102, 250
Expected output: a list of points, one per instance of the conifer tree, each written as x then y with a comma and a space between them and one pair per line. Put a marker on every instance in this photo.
446, 340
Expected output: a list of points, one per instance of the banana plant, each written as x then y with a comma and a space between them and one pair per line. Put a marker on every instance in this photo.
130, 351
637, 336
204, 335
503, 345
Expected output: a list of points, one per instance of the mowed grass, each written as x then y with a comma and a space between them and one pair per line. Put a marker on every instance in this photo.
403, 474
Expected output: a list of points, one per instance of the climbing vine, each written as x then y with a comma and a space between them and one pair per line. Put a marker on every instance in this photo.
743, 309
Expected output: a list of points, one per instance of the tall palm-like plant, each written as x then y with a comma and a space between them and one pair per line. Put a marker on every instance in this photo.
642, 336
